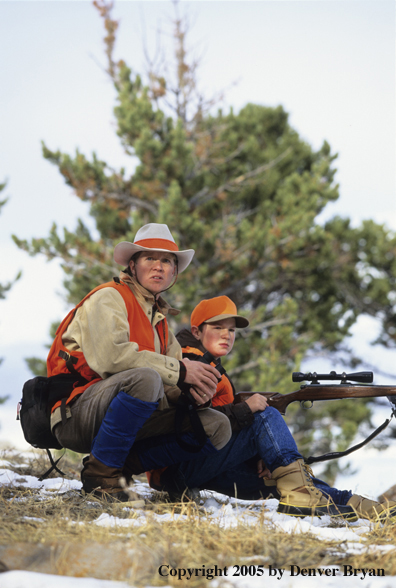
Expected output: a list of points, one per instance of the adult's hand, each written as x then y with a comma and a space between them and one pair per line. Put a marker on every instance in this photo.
257, 402
204, 379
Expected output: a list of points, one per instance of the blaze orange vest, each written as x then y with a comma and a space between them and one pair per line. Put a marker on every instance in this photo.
224, 392
140, 332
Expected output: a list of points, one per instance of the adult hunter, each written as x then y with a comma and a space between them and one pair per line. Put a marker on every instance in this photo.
127, 362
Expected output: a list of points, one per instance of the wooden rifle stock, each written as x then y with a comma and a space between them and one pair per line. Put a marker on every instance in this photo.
312, 392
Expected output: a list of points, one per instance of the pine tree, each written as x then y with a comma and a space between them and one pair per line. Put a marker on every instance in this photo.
244, 191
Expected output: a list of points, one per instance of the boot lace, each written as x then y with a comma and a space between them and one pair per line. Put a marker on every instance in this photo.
309, 475
308, 470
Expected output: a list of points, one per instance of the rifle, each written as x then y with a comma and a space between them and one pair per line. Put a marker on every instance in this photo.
309, 393
316, 391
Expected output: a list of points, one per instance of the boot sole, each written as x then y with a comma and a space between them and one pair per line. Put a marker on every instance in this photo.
340, 512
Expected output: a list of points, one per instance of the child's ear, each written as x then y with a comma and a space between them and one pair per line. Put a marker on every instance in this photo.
196, 332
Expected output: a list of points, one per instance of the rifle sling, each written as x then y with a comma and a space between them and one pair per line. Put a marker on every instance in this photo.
337, 454
185, 406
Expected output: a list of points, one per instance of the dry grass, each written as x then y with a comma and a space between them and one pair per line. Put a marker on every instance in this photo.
37, 462
58, 531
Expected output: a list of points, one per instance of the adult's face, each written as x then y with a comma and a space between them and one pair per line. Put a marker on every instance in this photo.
217, 338
154, 270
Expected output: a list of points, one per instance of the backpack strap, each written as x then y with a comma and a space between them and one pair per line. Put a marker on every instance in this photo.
63, 411
70, 360
53, 466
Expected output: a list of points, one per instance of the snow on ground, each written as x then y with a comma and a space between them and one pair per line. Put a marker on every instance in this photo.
227, 512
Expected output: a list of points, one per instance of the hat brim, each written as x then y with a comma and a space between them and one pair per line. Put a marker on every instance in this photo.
124, 251
240, 321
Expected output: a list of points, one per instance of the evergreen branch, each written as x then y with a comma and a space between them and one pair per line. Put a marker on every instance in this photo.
120, 196
353, 298
264, 325
241, 368
3, 289
235, 184
111, 26
250, 365
128, 200
210, 161
240, 284
151, 207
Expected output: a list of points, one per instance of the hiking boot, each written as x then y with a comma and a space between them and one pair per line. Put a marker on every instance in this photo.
102, 481
299, 497
372, 510
172, 482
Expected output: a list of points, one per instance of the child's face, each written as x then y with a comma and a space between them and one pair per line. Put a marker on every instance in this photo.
217, 338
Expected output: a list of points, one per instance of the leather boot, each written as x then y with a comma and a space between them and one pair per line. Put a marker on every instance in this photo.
102, 481
300, 498
372, 510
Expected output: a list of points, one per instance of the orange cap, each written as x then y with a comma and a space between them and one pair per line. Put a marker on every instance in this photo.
217, 309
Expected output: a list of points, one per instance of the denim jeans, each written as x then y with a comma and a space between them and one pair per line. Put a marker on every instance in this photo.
232, 470
164, 451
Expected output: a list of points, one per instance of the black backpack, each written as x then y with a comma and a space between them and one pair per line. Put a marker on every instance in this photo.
38, 397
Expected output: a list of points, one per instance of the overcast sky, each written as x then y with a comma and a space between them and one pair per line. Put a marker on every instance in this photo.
330, 64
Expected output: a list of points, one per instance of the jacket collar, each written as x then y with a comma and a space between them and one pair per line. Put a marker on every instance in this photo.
187, 339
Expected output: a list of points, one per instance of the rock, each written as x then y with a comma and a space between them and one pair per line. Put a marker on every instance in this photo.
118, 560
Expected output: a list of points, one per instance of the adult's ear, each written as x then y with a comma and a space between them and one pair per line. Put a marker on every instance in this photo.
131, 266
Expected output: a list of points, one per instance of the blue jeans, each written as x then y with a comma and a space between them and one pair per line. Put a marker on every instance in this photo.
164, 451
232, 470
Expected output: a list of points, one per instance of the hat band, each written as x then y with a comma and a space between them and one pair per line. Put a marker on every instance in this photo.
157, 244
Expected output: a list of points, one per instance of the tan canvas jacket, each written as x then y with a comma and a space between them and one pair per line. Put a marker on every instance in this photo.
100, 329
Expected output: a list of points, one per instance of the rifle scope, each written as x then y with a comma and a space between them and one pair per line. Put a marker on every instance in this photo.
363, 377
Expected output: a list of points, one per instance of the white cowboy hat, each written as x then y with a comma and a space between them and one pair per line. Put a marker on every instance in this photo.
154, 237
